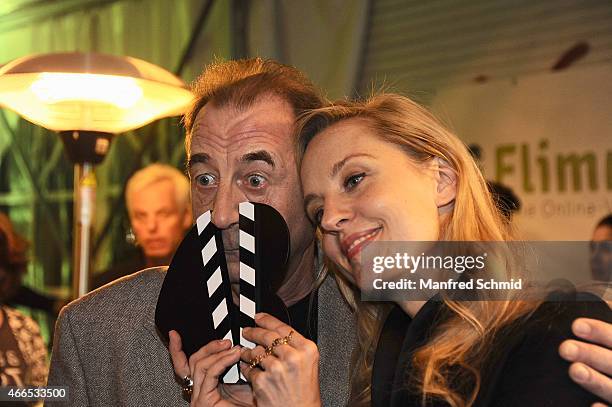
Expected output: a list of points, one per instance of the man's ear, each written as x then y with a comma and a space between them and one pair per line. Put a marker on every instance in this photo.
446, 188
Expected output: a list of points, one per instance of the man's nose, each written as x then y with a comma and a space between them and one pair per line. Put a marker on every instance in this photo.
152, 223
225, 206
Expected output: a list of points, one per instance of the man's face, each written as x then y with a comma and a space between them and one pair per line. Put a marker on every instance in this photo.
158, 223
247, 155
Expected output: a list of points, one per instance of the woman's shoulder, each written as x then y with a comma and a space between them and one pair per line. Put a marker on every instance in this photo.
560, 308
18, 321
551, 322
533, 372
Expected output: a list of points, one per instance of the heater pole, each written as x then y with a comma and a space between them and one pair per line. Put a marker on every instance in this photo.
84, 209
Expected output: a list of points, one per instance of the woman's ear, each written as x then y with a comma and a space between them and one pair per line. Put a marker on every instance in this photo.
446, 188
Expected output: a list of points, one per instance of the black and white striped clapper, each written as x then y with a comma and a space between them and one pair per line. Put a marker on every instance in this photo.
264, 252
196, 296
217, 285
248, 274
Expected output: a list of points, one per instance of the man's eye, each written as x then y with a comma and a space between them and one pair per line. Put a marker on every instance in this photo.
256, 181
353, 180
205, 179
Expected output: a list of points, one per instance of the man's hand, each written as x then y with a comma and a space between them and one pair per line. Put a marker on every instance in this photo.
592, 364
205, 366
288, 374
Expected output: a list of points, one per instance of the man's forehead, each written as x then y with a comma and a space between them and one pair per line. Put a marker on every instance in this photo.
153, 199
269, 111
266, 125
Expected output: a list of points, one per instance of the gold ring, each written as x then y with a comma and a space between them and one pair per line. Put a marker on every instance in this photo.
279, 341
282, 341
257, 359
270, 350
187, 387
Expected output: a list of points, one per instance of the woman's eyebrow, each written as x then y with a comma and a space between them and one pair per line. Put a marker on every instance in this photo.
338, 166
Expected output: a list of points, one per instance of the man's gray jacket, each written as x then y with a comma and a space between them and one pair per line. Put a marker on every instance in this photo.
107, 351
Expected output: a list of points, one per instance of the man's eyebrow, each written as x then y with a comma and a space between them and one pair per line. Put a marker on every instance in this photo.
338, 166
260, 155
201, 158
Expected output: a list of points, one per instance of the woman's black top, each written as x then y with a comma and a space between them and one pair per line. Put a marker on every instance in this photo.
524, 367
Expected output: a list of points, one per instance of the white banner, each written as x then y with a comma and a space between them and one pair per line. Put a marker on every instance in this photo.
549, 138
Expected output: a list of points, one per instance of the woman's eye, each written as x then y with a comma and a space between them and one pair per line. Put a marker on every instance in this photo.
352, 181
256, 181
205, 179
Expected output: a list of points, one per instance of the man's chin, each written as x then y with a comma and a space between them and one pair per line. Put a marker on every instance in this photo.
159, 257
158, 254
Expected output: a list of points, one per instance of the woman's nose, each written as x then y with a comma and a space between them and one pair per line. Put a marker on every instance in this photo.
336, 213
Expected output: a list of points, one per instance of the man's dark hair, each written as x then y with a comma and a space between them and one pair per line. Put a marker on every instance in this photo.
605, 221
505, 199
241, 82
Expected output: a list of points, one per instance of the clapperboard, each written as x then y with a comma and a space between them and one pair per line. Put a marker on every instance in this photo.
196, 298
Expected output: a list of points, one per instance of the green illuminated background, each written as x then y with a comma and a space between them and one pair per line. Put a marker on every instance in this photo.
348, 47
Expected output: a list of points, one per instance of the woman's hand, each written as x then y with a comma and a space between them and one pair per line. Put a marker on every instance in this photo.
592, 362
289, 376
204, 367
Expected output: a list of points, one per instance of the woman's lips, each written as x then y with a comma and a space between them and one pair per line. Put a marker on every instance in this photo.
353, 244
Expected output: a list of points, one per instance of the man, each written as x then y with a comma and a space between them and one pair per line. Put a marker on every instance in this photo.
601, 250
591, 365
505, 199
23, 355
157, 200
239, 147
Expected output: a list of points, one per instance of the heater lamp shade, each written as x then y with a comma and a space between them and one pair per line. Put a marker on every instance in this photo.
91, 92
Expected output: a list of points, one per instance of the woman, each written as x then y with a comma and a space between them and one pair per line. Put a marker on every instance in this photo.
386, 170
23, 355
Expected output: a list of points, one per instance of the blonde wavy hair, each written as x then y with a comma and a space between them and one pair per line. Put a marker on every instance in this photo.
462, 343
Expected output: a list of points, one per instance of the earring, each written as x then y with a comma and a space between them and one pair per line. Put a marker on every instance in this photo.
130, 237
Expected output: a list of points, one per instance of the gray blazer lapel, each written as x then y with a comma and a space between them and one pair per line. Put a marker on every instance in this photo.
156, 378
336, 341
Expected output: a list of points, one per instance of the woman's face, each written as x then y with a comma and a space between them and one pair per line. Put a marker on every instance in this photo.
359, 189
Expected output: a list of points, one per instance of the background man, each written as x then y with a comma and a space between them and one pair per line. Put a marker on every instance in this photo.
157, 200
601, 250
